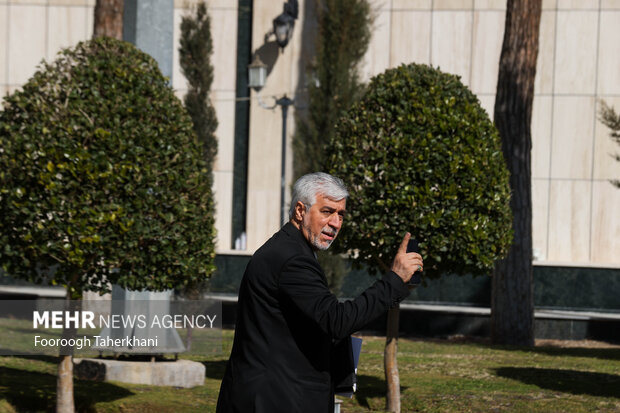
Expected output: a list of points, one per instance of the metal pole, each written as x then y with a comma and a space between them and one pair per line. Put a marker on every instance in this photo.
285, 102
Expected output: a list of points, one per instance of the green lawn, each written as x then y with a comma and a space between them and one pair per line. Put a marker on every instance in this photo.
435, 375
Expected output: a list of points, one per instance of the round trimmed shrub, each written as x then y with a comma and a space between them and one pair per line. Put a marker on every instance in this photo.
101, 176
419, 154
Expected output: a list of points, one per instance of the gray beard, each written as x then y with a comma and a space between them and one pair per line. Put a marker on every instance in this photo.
315, 239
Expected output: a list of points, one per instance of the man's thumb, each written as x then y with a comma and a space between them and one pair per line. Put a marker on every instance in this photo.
403, 244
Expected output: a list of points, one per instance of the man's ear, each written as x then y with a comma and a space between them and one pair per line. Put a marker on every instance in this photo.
300, 211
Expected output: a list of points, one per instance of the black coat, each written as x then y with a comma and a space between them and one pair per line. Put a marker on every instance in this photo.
288, 327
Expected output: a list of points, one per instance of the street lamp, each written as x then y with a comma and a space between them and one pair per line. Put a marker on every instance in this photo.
283, 24
257, 76
283, 28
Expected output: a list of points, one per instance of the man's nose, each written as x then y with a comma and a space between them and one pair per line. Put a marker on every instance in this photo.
335, 221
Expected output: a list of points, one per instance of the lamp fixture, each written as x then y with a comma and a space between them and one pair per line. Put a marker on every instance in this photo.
257, 74
283, 24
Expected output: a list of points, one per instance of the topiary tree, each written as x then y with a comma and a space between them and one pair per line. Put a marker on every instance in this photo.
102, 179
419, 154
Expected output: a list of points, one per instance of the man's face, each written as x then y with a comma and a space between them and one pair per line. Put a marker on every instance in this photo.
322, 221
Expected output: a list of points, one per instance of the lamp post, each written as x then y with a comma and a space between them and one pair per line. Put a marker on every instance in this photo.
283, 102
257, 75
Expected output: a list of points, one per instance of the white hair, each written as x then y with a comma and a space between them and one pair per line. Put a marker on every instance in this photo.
308, 186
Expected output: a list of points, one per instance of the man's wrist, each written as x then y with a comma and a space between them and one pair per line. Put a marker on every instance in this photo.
398, 283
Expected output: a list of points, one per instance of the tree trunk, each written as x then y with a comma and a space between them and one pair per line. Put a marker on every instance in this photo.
64, 386
64, 382
188, 339
109, 18
512, 306
390, 362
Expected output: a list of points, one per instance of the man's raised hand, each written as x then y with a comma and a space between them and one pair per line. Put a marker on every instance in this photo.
406, 263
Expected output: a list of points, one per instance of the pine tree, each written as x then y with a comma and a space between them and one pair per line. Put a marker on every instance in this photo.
195, 55
611, 119
512, 299
109, 18
342, 40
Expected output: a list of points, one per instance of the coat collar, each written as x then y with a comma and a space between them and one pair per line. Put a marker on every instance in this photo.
290, 230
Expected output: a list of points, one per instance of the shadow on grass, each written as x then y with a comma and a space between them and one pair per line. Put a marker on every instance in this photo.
550, 350
369, 387
29, 331
30, 391
599, 353
37, 357
215, 369
566, 381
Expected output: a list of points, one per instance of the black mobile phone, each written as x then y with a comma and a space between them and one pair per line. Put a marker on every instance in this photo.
416, 279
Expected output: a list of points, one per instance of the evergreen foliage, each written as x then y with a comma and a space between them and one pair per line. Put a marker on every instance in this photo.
611, 119
419, 154
101, 176
195, 58
341, 42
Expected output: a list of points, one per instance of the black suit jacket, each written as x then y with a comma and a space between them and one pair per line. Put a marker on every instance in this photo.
288, 329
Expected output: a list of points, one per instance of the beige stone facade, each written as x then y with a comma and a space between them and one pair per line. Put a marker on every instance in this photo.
575, 208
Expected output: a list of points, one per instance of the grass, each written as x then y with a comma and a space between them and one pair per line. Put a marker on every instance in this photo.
435, 376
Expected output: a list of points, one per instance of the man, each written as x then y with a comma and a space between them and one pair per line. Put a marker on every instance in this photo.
289, 324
